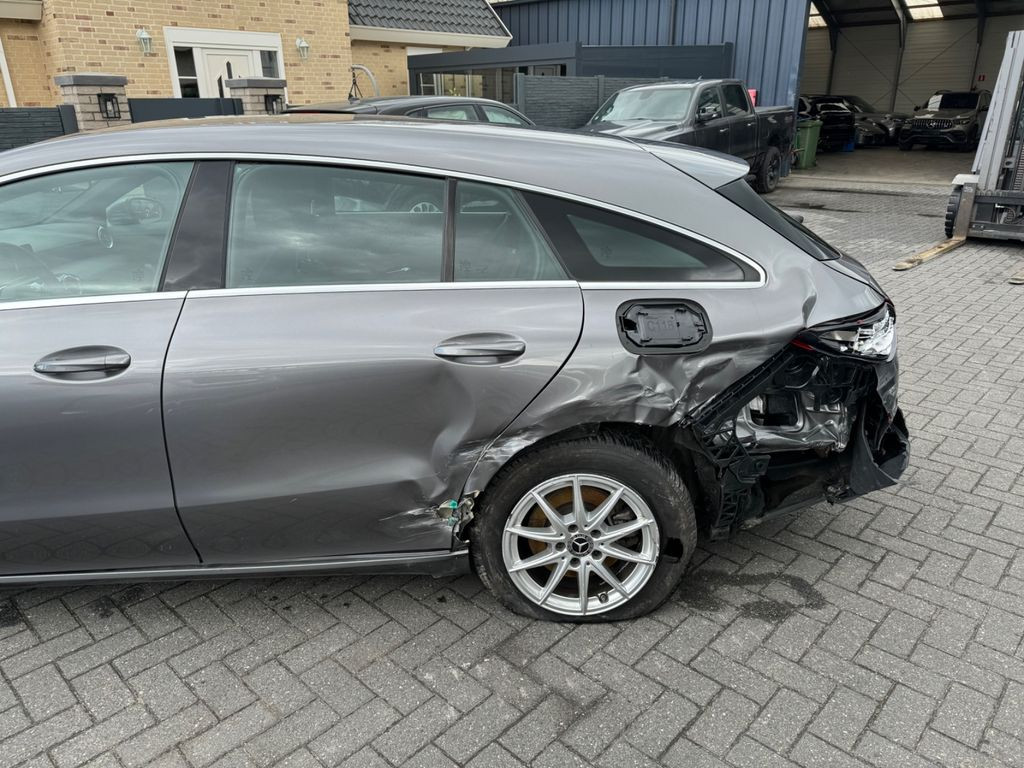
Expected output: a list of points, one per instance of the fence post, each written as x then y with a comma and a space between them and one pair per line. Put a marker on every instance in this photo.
520, 95
259, 95
98, 99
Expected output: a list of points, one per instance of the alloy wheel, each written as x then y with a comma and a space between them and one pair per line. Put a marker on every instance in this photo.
580, 544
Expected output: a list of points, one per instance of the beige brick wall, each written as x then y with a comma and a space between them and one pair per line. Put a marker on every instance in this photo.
32, 85
387, 61
99, 36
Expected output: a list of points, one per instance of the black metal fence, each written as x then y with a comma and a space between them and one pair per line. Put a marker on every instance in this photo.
26, 125
145, 110
567, 102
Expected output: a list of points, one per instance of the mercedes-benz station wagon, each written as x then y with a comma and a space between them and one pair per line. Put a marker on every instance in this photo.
301, 344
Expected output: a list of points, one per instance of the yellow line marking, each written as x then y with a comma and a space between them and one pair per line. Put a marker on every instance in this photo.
932, 253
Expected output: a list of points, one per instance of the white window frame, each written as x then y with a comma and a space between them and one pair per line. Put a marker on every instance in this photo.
230, 39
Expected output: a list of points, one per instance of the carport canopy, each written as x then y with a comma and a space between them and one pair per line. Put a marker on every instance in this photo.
837, 15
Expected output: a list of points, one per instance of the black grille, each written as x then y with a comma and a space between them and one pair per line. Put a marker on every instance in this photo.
933, 123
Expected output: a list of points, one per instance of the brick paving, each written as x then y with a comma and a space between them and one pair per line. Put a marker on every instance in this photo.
887, 631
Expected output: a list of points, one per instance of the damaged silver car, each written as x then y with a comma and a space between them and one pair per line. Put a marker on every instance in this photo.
307, 344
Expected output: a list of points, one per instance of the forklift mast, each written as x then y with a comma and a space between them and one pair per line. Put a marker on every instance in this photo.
989, 201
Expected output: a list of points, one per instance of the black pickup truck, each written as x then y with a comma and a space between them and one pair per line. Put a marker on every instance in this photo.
715, 114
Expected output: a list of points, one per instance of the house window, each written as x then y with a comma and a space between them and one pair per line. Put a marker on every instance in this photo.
188, 82
268, 62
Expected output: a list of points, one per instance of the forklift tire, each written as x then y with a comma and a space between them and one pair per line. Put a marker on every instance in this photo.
951, 209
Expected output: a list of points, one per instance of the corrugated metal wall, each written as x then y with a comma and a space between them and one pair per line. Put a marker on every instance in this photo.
817, 55
866, 63
938, 54
768, 34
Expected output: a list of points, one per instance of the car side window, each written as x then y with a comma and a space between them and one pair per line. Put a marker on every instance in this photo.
735, 99
89, 232
597, 245
709, 105
496, 239
324, 225
455, 112
503, 116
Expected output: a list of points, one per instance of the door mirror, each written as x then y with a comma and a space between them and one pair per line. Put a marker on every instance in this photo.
708, 112
917, 107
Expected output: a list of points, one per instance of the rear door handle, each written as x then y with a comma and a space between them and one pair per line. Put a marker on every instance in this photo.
99, 360
481, 348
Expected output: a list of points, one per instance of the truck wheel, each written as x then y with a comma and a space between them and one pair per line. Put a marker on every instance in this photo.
770, 171
952, 206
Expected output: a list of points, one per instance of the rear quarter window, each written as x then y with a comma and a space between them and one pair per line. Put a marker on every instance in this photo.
598, 245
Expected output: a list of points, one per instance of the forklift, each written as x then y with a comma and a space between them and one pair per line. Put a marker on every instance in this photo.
989, 201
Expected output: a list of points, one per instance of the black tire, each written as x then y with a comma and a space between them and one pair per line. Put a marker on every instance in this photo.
905, 146
952, 206
770, 171
629, 461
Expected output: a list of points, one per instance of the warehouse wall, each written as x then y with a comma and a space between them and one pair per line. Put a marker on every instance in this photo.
817, 54
768, 34
938, 54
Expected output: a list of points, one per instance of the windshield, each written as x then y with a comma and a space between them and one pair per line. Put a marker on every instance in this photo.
646, 104
953, 101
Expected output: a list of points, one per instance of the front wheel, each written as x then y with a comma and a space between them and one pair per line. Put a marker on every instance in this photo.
598, 528
952, 208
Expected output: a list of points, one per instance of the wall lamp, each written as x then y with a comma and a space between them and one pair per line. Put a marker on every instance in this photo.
109, 106
303, 46
145, 41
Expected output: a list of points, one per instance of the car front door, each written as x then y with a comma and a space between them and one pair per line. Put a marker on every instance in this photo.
742, 121
85, 483
332, 398
711, 127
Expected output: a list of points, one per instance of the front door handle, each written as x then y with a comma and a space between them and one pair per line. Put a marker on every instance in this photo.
84, 362
481, 348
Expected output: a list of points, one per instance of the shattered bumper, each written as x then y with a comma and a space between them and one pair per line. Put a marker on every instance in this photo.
803, 427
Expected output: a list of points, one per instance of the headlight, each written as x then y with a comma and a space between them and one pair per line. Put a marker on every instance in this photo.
962, 121
872, 336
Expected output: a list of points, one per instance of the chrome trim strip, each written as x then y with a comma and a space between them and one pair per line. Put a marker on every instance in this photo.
272, 290
667, 286
72, 301
405, 562
384, 165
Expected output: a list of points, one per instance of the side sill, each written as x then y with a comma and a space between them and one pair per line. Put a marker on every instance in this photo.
434, 563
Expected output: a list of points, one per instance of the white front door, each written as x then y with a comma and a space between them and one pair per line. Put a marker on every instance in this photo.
224, 64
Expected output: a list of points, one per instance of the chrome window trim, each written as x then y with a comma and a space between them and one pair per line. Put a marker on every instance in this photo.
272, 290
416, 169
73, 301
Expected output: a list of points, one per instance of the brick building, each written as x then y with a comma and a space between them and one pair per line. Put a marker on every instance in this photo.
188, 48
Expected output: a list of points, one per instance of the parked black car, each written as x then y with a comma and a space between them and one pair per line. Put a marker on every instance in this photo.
948, 119
873, 126
838, 124
715, 114
434, 107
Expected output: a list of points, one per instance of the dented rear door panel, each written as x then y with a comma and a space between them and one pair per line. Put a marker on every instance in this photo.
314, 423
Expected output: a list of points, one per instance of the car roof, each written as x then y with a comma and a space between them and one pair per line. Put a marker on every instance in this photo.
606, 169
383, 104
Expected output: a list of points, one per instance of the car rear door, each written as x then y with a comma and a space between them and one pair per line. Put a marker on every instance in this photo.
334, 395
743, 139
85, 483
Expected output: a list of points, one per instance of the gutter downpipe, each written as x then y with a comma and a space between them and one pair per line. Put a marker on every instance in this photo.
6, 72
